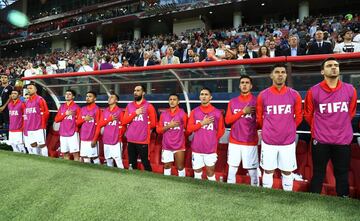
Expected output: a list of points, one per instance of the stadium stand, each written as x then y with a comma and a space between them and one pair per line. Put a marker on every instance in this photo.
226, 41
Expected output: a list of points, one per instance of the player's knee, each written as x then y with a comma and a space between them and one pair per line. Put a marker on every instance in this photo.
34, 144
286, 173
167, 165
180, 167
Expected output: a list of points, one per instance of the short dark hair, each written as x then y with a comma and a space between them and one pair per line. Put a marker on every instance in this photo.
117, 96
246, 76
143, 87
174, 94
18, 91
278, 65
206, 88
31, 83
92, 92
71, 91
326, 60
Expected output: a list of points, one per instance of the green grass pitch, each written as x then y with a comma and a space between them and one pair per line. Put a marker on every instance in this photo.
37, 188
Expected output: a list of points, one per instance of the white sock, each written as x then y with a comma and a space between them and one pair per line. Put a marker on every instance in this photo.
181, 173
254, 179
44, 151
268, 180
86, 160
119, 163
197, 175
21, 147
287, 182
211, 178
232, 174
167, 172
109, 162
14, 147
96, 160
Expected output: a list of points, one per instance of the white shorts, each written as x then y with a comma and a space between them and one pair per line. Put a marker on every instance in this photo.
37, 136
276, 156
199, 160
16, 138
167, 156
87, 151
70, 144
112, 151
247, 154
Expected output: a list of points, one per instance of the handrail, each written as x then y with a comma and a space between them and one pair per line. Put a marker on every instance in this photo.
282, 59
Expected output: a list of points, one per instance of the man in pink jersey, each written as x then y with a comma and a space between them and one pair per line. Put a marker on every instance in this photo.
69, 136
243, 139
278, 113
207, 124
111, 121
172, 125
88, 119
16, 111
140, 116
37, 115
329, 108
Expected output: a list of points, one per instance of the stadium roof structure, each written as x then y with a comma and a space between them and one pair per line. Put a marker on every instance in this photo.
5, 3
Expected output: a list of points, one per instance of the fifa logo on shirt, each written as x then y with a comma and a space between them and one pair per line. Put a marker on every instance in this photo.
279, 109
167, 123
112, 123
69, 117
334, 107
13, 113
139, 118
206, 127
245, 116
30, 110
90, 121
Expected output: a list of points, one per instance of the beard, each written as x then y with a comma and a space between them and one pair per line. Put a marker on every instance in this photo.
137, 98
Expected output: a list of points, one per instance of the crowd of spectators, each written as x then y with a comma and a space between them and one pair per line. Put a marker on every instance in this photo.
285, 38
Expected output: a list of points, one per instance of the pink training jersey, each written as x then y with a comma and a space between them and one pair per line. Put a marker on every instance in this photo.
332, 120
88, 128
112, 129
15, 115
33, 114
244, 129
68, 124
278, 112
174, 138
137, 130
205, 139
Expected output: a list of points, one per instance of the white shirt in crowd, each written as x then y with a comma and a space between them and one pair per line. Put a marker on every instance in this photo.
347, 47
85, 68
116, 65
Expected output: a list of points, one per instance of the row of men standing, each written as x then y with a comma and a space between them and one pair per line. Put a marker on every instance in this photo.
277, 111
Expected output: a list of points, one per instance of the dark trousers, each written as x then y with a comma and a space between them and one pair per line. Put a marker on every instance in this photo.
340, 157
134, 150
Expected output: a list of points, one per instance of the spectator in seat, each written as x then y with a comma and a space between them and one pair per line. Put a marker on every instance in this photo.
250, 50
106, 65
319, 46
347, 45
241, 52
145, 60
294, 49
170, 58
274, 50
263, 52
